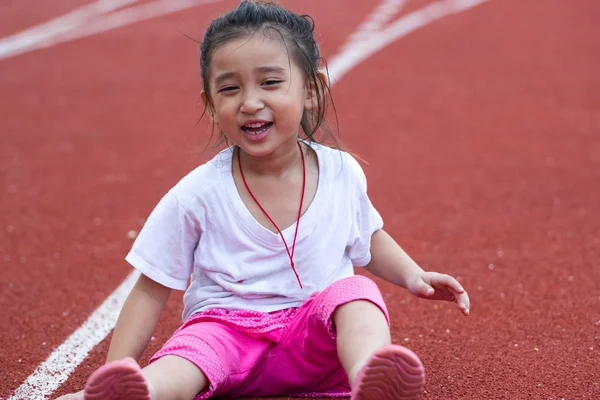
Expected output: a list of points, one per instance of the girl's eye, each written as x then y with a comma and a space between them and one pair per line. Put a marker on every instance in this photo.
228, 89
272, 82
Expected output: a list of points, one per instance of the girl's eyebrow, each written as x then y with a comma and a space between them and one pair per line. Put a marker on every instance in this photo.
223, 76
264, 70
271, 68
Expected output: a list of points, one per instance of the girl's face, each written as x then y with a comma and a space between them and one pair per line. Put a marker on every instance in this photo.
258, 93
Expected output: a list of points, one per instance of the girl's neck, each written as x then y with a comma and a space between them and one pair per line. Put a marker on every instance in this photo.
276, 164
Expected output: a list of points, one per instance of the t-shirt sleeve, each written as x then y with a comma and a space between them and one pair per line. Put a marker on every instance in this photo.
164, 249
368, 220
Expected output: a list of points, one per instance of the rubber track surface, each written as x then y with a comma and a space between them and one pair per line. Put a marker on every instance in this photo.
482, 137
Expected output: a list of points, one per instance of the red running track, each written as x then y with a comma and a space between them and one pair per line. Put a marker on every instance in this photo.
482, 133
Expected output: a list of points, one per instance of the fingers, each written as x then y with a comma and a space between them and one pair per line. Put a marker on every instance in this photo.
438, 280
460, 297
423, 289
463, 302
447, 280
435, 286
72, 396
459, 294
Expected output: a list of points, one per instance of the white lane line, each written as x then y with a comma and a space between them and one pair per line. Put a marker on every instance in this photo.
89, 20
351, 56
132, 15
43, 35
375, 21
53, 372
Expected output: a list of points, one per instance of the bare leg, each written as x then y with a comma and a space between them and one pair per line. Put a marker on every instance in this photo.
376, 369
169, 378
174, 378
361, 329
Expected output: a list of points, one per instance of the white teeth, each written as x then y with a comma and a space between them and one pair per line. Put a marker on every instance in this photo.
257, 132
256, 125
256, 128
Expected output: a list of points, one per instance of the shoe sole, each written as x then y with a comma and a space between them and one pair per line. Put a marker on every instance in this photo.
118, 380
393, 373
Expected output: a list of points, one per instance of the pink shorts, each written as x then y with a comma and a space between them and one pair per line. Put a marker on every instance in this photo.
286, 352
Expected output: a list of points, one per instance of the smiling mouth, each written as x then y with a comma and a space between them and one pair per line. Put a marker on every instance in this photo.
256, 128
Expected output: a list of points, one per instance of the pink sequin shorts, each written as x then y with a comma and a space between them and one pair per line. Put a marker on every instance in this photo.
287, 352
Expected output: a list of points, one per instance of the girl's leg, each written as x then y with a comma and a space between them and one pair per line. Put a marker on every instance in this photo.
376, 369
361, 329
174, 378
169, 378
340, 340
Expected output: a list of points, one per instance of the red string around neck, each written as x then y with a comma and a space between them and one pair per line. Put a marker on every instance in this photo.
290, 254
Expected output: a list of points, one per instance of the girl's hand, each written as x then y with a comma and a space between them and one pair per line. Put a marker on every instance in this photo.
434, 286
72, 396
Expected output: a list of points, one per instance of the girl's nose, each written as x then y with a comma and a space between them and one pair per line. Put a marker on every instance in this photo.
251, 103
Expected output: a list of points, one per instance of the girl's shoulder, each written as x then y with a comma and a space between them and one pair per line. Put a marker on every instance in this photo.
338, 163
203, 179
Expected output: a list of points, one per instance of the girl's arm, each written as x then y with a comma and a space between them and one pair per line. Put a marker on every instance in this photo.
136, 323
138, 319
390, 262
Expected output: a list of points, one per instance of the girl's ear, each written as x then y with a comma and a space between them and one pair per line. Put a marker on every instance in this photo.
208, 108
315, 91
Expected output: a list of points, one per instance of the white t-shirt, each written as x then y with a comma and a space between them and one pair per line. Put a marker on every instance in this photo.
201, 232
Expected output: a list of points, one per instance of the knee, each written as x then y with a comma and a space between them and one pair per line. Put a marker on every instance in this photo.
362, 312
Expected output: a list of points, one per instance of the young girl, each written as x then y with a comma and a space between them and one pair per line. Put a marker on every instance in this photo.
267, 234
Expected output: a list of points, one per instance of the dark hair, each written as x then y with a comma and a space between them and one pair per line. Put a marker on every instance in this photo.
296, 32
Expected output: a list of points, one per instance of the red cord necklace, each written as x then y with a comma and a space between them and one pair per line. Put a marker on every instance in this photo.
290, 254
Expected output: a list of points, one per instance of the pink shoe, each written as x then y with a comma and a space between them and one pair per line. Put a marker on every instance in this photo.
118, 380
393, 373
